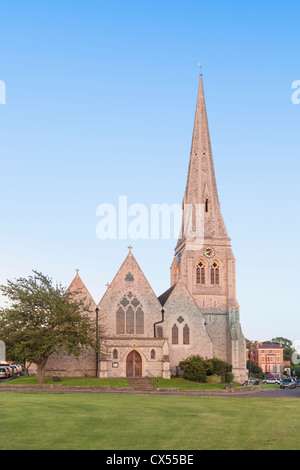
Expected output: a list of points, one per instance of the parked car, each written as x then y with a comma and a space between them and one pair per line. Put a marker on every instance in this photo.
3, 373
272, 380
17, 368
252, 380
8, 370
288, 383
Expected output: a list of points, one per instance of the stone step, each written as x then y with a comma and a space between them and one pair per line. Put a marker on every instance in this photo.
141, 384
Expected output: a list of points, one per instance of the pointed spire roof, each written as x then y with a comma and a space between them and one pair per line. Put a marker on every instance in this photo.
201, 187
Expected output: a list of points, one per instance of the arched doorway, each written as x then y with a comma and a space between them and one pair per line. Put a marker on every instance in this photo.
134, 365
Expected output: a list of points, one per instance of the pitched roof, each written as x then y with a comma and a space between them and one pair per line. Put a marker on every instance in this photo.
269, 346
164, 297
78, 287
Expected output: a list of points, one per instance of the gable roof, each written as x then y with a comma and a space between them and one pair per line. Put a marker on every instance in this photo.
78, 287
164, 297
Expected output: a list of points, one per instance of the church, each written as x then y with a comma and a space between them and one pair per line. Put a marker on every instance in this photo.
146, 335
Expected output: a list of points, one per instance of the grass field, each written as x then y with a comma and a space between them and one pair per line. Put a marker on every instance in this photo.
182, 384
85, 381
72, 381
117, 422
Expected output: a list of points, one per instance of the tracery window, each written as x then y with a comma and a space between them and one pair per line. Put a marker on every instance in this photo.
200, 273
130, 316
215, 273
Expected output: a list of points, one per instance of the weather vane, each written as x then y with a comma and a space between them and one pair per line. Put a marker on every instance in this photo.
200, 65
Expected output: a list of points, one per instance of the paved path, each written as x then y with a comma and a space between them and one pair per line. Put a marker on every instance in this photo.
271, 393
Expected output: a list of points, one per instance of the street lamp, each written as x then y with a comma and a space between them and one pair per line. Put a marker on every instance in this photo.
97, 341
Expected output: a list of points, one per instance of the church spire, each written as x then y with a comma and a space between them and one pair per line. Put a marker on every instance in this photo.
201, 187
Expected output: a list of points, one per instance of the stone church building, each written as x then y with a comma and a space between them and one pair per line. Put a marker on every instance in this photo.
146, 335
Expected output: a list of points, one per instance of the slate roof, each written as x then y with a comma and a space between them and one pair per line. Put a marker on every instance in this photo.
164, 297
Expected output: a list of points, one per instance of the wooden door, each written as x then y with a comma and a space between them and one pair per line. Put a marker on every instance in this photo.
134, 365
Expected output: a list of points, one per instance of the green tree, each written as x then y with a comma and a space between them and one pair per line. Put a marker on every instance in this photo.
255, 369
41, 319
288, 348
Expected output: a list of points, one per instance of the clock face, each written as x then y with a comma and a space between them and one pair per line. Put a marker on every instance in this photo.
209, 252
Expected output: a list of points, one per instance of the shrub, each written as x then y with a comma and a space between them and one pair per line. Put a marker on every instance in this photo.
229, 377
213, 379
221, 368
197, 369
194, 369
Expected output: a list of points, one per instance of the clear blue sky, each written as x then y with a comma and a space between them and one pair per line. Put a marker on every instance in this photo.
100, 102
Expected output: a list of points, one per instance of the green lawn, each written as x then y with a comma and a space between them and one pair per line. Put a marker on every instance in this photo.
74, 381
186, 385
137, 422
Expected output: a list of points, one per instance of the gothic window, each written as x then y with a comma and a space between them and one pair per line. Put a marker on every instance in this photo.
120, 321
139, 321
130, 316
186, 335
215, 273
130, 321
115, 354
200, 273
152, 354
206, 205
175, 334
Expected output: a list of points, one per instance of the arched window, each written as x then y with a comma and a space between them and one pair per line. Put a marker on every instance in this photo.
186, 335
206, 204
215, 273
115, 354
175, 334
200, 272
152, 354
130, 316
120, 321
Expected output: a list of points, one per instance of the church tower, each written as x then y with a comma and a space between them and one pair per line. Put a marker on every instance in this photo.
204, 260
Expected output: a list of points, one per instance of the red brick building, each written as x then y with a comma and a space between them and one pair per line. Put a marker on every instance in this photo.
269, 357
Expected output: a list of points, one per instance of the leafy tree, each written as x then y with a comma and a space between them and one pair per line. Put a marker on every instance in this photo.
41, 319
255, 369
288, 349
